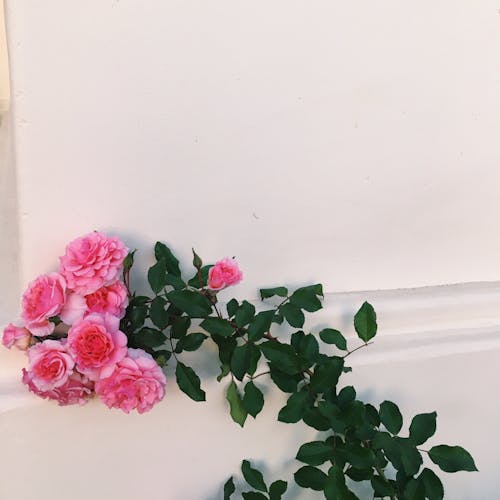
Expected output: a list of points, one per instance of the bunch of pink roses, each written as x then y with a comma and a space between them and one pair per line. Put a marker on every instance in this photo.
85, 353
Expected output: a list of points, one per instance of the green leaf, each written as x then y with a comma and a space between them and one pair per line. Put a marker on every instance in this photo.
229, 487
244, 314
433, 487
237, 408
414, 490
359, 474
294, 409
197, 263
310, 477
180, 326
307, 347
326, 375
253, 495
260, 325
253, 399
189, 382
150, 337
240, 361
335, 487
313, 418
218, 326
365, 322
157, 275
175, 281
282, 356
382, 487
265, 293
452, 458
232, 307
192, 303
190, 342
277, 489
314, 453
422, 427
226, 347
162, 252
138, 316
253, 476
391, 417
346, 395
358, 456
195, 280
293, 315
282, 380
331, 336
410, 456
307, 297
157, 312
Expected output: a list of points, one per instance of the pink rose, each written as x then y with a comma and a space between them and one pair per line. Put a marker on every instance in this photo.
50, 364
97, 344
92, 261
223, 274
77, 389
17, 337
137, 382
111, 299
43, 298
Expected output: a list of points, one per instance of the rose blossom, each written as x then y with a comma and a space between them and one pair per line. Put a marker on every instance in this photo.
224, 273
92, 261
50, 364
77, 389
43, 298
97, 344
16, 336
111, 299
137, 382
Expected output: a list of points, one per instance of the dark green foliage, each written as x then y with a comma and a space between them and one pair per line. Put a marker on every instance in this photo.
365, 322
310, 477
358, 441
422, 427
253, 476
452, 458
331, 336
189, 382
253, 399
237, 408
229, 487
391, 417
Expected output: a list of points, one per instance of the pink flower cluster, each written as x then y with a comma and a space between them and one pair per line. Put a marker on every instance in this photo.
90, 299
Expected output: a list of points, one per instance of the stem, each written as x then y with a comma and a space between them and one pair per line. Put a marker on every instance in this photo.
172, 346
359, 347
253, 377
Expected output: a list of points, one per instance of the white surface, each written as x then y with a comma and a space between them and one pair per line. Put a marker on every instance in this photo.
354, 143
437, 349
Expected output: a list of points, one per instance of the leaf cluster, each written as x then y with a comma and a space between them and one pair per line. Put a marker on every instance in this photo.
363, 442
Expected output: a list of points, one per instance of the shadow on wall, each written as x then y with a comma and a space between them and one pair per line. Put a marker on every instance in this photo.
9, 291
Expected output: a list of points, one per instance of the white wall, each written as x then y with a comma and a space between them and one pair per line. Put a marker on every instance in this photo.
353, 143
350, 142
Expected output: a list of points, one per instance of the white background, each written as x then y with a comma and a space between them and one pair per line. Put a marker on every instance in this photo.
353, 143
